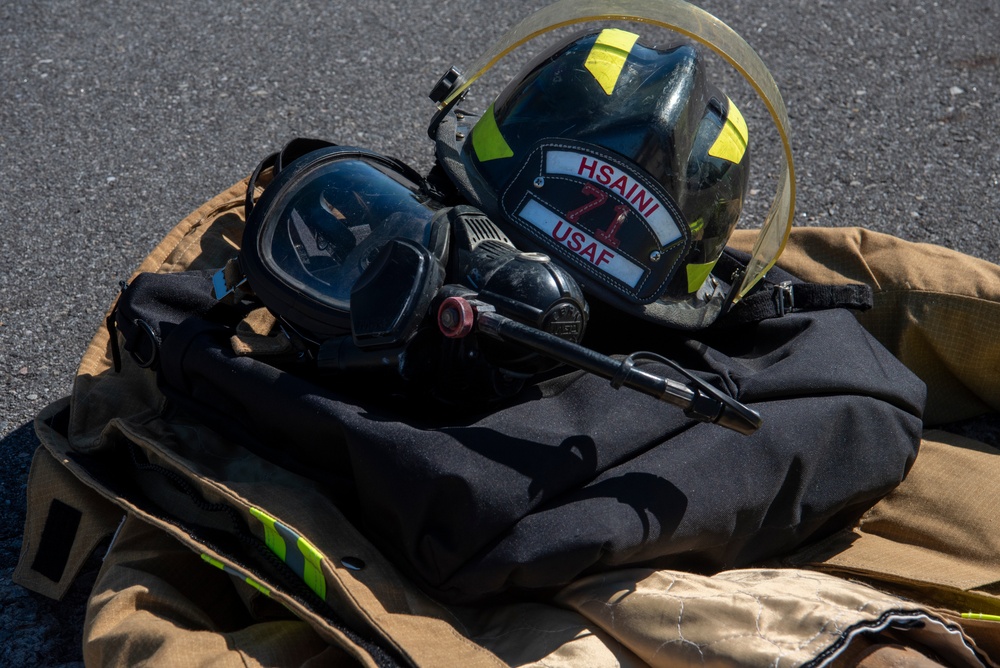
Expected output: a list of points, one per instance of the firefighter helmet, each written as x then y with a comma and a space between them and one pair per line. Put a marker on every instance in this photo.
620, 160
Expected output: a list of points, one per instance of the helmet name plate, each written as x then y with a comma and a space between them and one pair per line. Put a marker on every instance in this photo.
580, 243
604, 217
572, 163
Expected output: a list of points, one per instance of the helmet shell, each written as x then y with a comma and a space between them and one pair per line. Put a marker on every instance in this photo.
619, 160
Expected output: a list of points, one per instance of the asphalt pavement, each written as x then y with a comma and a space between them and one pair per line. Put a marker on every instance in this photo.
118, 118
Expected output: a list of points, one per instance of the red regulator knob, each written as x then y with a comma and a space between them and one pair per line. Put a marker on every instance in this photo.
456, 317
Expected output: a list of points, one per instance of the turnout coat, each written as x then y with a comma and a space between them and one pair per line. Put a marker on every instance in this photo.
221, 557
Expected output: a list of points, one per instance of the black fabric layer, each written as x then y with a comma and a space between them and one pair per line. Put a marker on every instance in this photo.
574, 476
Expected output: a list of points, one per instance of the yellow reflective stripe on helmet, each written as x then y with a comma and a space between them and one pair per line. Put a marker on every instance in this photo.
305, 560
608, 55
232, 571
731, 143
697, 273
487, 141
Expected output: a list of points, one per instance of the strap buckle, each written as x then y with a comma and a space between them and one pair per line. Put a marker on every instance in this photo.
229, 283
784, 297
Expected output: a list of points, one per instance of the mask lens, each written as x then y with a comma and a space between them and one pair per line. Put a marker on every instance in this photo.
332, 220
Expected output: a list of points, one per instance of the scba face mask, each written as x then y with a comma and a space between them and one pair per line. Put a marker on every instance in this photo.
353, 253
619, 160
320, 223
367, 271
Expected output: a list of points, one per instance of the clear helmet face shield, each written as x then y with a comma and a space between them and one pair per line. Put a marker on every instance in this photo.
670, 251
320, 223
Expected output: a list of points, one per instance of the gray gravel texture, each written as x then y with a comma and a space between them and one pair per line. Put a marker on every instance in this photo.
118, 118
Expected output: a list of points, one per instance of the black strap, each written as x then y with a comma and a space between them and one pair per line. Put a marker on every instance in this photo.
294, 149
249, 201
774, 301
780, 292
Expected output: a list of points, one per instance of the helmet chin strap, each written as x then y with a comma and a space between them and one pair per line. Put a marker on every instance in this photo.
696, 24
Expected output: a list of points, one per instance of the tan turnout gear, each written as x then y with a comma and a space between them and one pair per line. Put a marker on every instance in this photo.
891, 588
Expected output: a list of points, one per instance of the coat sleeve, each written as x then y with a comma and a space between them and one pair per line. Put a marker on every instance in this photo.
936, 309
157, 603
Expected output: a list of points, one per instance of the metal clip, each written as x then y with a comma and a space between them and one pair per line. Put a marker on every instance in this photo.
784, 297
228, 283
445, 85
